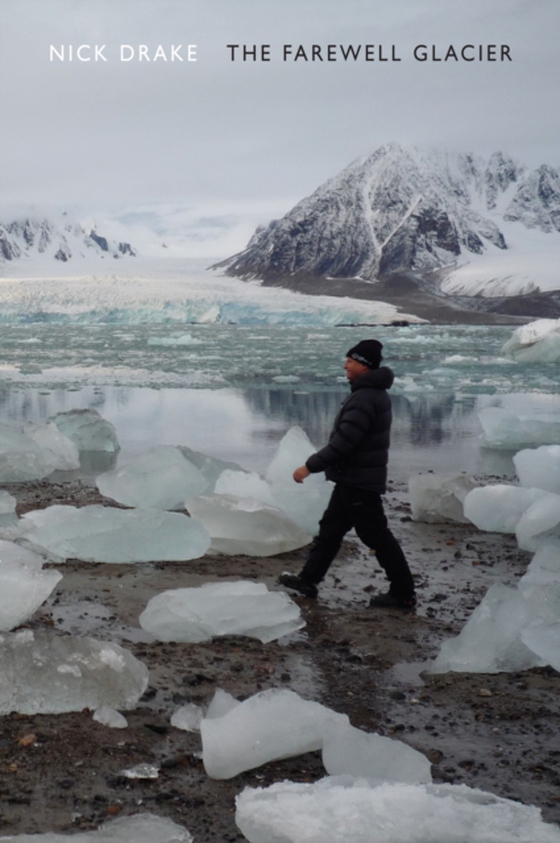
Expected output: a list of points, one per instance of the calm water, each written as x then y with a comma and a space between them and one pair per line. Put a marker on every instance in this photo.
234, 391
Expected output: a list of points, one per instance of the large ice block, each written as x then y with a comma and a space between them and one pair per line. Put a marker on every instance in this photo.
21, 458
158, 479
271, 725
244, 525
499, 508
303, 502
490, 641
510, 430
351, 751
544, 641
347, 810
544, 567
8, 505
436, 498
45, 673
107, 534
140, 828
539, 467
24, 585
88, 430
535, 342
225, 608
59, 451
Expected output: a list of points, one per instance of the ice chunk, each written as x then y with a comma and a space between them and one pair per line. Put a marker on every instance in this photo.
159, 479
88, 430
271, 725
245, 484
351, 751
221, 704
188, 717
303, 502
544, 567
227, 608
44, 673
438, 498
140, 828
24, 585
21, 458
507, 429
7, 509
540, 523
59, 451
544, 641
499, 508
539, 467
107, 534
244, 525
490, 641
536, 342
209, 467
141, 771
108, 716
347, 810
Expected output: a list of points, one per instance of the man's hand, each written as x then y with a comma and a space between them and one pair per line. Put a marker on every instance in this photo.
301, 473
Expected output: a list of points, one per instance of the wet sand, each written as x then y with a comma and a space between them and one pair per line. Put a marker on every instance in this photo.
494, 732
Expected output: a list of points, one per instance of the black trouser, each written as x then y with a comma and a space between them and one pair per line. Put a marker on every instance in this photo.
362, 509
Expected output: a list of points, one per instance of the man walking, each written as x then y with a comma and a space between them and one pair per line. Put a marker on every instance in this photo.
355, 458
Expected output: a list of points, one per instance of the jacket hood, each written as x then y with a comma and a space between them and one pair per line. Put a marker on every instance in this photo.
381, 378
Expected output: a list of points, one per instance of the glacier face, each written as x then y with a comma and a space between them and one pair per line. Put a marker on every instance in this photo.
404, 209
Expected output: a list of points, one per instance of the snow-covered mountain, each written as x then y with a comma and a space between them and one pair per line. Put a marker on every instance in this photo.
59, 239
490, 227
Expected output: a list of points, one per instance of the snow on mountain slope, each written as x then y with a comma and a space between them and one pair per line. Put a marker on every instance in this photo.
410, 209
56, 239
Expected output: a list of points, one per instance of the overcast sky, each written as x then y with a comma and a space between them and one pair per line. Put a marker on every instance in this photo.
218, 142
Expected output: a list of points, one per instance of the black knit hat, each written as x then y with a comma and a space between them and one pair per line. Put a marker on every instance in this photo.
367, 352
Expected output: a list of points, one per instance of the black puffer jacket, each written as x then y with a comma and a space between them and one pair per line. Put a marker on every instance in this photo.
358, 449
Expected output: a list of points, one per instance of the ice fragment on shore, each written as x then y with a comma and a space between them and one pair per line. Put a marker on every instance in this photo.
107, 534
507, 429
343, 809
209, 467
88, 430
539, 467
540, 523
140, 828
351, 751
499, 508
536, 342
244, 525
436, 498
58, 450
7, 509
141, 771
43, 673
188, 717
24, 585
108, 716
159, 479
243, 484
21, 458
214, 609
271, 725
304, 502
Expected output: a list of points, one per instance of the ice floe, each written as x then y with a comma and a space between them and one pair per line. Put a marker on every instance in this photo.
536, 342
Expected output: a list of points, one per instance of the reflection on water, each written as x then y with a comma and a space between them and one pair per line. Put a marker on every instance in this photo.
431, 433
